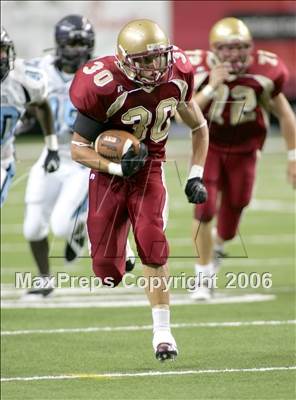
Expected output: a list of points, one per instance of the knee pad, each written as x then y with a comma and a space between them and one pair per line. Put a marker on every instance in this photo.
206, 212
228, 221
60, 226
152, 245
63, 223
110, 271
203, 214
35, 226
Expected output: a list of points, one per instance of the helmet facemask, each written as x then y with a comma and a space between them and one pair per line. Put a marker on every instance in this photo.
144, 52
75, 40
231, 41
149, 67
237, 53
74, 52
7, 55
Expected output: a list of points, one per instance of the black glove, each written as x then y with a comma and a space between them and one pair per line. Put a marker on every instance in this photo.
52, 161
196, 191
132, 162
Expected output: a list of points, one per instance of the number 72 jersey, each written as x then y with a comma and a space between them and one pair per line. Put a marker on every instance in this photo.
238, 114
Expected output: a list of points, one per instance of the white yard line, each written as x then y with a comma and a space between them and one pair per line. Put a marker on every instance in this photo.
264, 205
256, 240
267, 205
184, 264
145, 374
238, 261
19, 180
9, 289
120, 302
233, 324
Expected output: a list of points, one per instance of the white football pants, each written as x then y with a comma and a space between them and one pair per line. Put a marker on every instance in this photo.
56, 200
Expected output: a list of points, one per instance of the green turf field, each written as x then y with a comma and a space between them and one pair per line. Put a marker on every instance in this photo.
82, 345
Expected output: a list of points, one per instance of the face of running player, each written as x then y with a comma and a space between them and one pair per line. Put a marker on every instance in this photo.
74, 54
237, 53
151, 68
4, 61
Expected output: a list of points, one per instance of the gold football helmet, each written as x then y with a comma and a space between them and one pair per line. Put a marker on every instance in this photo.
231, 41
144, 52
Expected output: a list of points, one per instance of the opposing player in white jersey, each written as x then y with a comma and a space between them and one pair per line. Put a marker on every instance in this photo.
59, 201
22, 86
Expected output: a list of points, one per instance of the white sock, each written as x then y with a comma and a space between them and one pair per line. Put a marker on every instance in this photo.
219, 247
206, 269
161, 319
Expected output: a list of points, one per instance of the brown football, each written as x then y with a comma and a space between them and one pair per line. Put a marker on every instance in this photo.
113, 144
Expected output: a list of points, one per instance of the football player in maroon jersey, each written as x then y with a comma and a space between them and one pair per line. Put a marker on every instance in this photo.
138, 90
236, 86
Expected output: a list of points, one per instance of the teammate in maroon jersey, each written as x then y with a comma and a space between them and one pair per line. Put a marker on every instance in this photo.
236, 87
137, 90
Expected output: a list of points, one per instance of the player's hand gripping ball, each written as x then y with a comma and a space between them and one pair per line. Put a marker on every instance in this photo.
124, 148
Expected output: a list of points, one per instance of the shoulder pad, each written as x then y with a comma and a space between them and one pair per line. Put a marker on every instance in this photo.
94, 87
203, 58
181, 60
100, 75
32, 79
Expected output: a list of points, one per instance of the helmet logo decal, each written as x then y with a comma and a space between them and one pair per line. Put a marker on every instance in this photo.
155, 46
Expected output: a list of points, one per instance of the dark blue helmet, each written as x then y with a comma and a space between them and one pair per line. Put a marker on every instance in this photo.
7, 54
75, 40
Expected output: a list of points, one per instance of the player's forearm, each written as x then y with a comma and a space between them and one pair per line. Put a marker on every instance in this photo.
281, 108
191, 114
200, 144
44, 116
193, 117
202, 100
288, 130
88, 157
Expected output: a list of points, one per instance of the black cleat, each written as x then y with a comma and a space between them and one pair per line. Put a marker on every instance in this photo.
130, 264
74, 248
217, 259
40, 292
166, 351
70, 253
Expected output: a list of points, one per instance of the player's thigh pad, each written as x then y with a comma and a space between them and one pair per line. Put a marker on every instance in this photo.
148, 209
107, 225
71, 204
36, 225
42, 186
41, 194
241, 170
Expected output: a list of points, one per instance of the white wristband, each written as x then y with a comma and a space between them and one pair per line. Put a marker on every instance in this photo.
199, 126
196, 171
115, 169
292, 155
80, 144
208, 91
51, 142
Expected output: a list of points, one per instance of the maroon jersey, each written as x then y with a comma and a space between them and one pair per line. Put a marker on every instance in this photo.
101, 90
237, 115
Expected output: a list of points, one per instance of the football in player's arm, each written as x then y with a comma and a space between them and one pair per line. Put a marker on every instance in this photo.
236, 86
21, 86
138, 91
